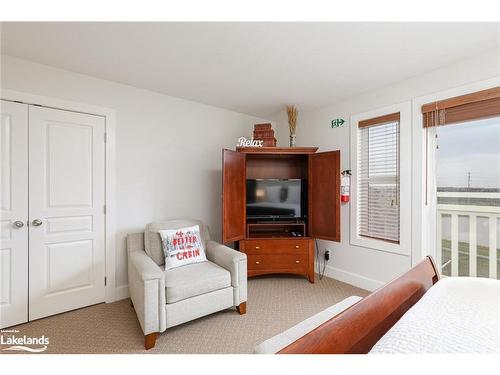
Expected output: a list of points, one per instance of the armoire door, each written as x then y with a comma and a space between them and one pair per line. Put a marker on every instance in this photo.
324, 195
66, 211
233, 196
14, 214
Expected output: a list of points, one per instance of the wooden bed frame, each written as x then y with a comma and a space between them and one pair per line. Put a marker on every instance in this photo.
357, 329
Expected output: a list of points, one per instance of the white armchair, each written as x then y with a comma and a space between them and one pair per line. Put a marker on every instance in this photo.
166, 298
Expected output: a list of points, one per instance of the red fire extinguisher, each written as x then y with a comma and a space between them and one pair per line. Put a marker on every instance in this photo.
345, 185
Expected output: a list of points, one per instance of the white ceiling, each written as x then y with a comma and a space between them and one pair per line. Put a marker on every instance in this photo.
254, 68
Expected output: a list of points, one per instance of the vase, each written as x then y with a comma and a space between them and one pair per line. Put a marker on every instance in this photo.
293, 140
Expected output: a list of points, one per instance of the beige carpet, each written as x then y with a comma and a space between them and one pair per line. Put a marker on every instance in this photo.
274, 304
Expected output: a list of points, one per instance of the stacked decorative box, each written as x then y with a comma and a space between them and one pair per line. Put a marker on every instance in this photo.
265, 133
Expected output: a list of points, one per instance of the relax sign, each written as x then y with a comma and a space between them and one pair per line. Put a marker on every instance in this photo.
243, 142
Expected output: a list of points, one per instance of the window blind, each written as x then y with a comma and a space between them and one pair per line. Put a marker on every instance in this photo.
378, 178
475, 106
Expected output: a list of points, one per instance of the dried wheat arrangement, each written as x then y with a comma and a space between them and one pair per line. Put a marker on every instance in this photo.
292, 112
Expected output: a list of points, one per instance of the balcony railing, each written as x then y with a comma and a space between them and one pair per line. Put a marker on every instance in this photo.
463, 251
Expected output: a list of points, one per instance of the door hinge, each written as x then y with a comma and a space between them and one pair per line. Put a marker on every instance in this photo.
105, 137
105, 280
104, 209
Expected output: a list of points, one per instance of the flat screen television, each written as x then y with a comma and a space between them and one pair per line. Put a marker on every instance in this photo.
271, 199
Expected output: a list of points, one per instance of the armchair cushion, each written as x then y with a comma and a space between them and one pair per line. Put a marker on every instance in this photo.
152, 240
193, 280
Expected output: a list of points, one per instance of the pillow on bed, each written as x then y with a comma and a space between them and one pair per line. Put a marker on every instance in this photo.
182, 246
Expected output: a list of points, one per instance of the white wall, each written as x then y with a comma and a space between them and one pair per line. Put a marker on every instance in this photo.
161, 140
168, 150
361, 266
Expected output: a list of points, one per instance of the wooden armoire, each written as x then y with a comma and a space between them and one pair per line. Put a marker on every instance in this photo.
270, 246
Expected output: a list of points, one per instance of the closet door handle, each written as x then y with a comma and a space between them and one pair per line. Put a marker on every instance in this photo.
36, 222
18, 224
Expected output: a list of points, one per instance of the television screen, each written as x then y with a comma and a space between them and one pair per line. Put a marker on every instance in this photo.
269, 199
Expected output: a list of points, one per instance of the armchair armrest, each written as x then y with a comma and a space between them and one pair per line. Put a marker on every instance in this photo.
147, 292
145, 266
233, 261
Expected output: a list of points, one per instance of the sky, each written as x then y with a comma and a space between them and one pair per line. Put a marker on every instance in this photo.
472, 147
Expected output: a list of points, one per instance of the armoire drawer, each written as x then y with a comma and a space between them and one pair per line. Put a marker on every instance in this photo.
278, 262
278, 246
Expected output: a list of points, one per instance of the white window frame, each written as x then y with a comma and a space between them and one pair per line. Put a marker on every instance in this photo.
405, 164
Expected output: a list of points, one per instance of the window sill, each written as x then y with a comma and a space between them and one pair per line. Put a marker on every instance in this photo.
380, 245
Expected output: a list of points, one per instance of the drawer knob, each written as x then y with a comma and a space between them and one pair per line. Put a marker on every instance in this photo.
257, 262
297, 261
297, 246
257, 247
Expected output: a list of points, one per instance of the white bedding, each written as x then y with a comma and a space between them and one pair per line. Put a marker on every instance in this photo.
457, 315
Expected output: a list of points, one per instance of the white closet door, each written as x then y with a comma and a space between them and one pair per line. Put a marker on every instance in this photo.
14, 214
66, 198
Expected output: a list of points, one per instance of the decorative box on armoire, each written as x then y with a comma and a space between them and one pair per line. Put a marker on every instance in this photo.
276, 201
264, 133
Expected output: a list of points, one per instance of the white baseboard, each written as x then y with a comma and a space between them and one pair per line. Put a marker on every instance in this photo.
353, 278
121, 292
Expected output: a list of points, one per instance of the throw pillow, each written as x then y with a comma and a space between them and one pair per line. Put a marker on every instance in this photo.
182, 246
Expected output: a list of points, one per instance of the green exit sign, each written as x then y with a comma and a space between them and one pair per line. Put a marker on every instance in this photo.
337, 122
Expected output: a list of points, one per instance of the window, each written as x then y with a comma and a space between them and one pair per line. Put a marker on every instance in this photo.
378, 178
468, 198
465, 131
381, 190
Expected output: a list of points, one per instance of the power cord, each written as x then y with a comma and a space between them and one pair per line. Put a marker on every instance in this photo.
318, 261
